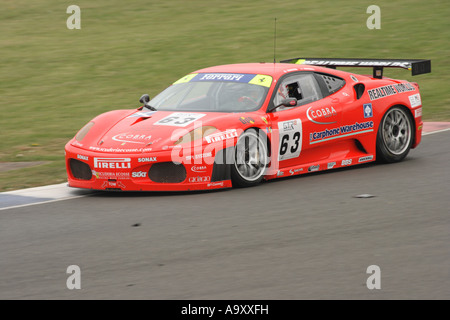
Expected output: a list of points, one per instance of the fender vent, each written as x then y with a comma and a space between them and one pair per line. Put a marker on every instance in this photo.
359, 90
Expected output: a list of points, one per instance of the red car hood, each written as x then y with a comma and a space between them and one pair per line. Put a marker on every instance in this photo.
147, 131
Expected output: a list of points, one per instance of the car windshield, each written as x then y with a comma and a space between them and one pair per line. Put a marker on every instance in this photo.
216, 92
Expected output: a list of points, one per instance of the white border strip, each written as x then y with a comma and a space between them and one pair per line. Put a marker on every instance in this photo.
42, 202
442, 130
51, 193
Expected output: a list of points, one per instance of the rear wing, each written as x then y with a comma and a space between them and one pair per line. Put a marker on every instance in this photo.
417, 66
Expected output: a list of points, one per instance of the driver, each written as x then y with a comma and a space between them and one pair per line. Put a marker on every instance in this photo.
252, 96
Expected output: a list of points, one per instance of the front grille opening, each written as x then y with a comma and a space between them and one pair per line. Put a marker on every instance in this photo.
80, 170
167, 172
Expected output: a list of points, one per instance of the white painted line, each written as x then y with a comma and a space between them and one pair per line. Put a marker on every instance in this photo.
55, 192
442, 130
42, 202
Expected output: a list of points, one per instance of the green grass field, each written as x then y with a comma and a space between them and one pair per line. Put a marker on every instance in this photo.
53, 80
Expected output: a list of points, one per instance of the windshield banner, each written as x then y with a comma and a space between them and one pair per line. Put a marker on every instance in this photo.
258, 79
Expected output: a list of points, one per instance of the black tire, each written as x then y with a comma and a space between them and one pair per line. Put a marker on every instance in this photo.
395, 135
249, 164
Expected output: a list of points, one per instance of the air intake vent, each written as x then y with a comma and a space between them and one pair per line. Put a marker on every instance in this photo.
359, 90
80, 170
167, 172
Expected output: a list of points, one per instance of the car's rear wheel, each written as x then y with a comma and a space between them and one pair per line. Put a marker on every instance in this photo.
250, 159
395, 135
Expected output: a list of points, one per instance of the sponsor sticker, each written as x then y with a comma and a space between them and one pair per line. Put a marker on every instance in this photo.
215, 184
366, 158
133, 138
246, 120
368, 111
331, 165
112, 163
198, 168
322, 115
418, 113
120, 150
381, 92
346, 162
389, 90
256, 79
295, 171
111, 175
404, 87
220, 136
200, 179
314, 168
148, 159
342, 131
81, 157
199, 156
139, 174
415, 100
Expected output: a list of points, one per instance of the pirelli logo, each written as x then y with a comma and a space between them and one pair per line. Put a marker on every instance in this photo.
112, 163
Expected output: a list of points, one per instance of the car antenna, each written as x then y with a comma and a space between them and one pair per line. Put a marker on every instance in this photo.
275, 41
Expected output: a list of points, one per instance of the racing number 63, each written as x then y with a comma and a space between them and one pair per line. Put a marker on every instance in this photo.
285, 143
179, 119
174, 120
290, 139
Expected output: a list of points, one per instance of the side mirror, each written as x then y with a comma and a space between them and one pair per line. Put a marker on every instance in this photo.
144, 99
289, 102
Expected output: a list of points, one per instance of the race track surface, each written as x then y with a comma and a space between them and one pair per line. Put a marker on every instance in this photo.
305, 237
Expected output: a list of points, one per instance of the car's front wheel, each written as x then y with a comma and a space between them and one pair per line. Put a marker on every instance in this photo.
395, 135
250, 159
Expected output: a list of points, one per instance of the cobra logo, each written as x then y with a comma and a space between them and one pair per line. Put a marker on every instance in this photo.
315, 114
132, 138
198, 168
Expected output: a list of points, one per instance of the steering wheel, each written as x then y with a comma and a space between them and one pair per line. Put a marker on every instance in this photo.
250, 102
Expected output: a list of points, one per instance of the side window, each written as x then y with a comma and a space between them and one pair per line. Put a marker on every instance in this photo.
329, 83
303, 87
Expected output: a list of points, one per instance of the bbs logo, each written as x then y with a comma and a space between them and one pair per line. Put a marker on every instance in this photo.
346, 162
139, 174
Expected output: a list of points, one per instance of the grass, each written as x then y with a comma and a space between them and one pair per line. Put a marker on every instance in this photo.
53, 80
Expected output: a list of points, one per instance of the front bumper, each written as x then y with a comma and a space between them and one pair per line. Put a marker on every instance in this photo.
150, 171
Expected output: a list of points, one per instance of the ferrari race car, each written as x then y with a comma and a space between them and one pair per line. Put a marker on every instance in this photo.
235, 125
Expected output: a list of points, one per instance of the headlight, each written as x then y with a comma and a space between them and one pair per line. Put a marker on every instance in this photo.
84, 131
198, 133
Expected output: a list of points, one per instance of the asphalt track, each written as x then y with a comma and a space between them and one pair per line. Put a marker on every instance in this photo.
305, 237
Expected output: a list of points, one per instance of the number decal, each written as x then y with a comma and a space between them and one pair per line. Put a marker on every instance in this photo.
290, 139
179, 119
296, 143
284, 144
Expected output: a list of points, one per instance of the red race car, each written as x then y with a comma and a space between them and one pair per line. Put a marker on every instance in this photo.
235, 125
